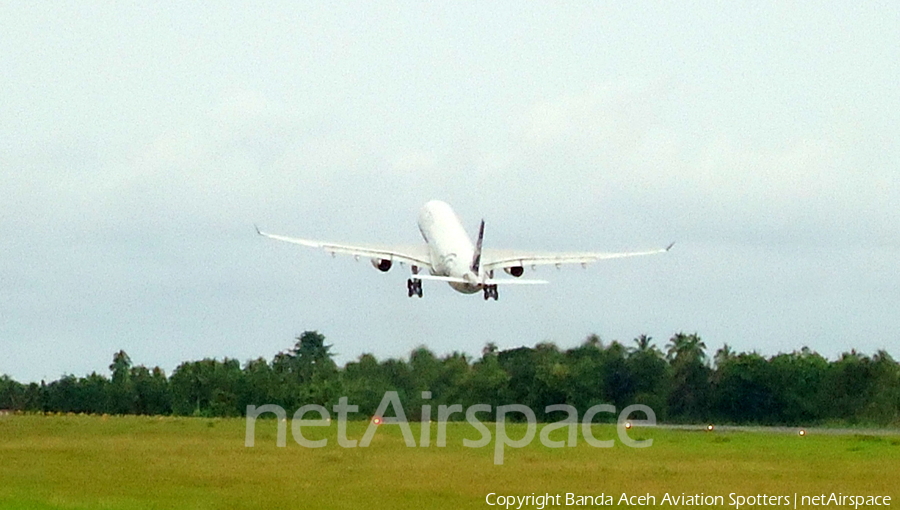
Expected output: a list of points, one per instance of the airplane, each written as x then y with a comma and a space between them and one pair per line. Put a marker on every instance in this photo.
448, 255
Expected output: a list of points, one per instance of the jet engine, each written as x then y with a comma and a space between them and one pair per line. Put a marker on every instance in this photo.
383, 265
516, 271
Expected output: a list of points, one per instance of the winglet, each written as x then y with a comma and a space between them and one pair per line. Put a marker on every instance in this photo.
476, 259
670, 246
258, 231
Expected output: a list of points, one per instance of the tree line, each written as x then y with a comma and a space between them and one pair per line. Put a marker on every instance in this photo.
680, 383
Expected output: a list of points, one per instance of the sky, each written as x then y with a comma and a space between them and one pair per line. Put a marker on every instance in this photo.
140, 143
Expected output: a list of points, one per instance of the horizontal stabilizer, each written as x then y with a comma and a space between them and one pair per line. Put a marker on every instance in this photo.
440, 278
488, 281
510, 281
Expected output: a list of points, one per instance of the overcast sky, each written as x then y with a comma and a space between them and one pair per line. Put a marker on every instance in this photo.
140, 142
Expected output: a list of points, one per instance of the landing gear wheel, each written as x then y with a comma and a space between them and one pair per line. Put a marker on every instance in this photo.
414, 287
490, 291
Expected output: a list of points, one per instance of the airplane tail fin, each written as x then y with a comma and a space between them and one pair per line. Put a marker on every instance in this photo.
476, 259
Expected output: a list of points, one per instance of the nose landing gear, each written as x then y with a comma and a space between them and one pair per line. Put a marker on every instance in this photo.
490, 291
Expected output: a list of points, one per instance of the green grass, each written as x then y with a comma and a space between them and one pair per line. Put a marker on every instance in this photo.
74, 462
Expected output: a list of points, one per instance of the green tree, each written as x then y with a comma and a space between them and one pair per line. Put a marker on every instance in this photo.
261, 386
11, 393
308, 371
207, 388
743, 390
863, 388
151, 391
425, 369
445, 378
33, 397
450, 388
537, 377
849, 384
723, 355
487, 382
651, 375
120, 368
96, 394
689, 395
62, 395
884, 398
643, 344
798, 381
586, 385
122, 397
366, 380
618, 382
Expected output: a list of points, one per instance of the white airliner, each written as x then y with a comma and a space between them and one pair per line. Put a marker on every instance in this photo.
449, 255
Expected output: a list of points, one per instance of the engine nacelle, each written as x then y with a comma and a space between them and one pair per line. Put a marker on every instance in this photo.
516, 271
383, 265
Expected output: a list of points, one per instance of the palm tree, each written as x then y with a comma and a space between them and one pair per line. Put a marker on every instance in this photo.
690, 390
686, 348
882, 356
644, 345
723, 355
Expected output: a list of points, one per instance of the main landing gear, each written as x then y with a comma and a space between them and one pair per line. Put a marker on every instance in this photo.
490, 291
414, 285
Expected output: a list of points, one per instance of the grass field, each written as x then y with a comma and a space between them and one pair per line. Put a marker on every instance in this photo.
75, 462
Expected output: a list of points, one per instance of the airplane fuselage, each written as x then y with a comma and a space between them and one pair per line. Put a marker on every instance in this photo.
449, 245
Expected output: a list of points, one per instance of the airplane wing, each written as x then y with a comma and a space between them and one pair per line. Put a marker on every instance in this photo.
417, 255
501, 259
